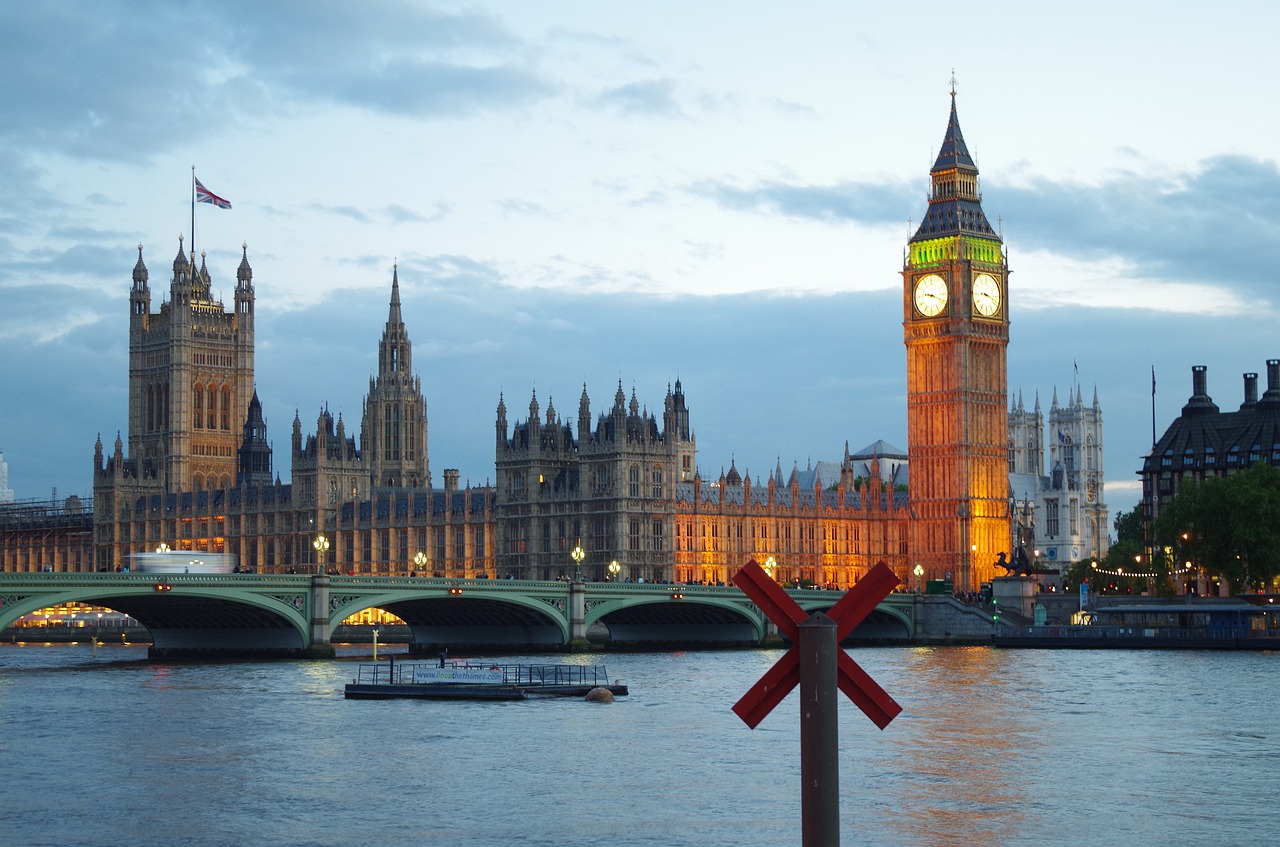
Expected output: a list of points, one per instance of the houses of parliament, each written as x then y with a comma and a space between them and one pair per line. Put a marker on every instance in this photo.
197, 471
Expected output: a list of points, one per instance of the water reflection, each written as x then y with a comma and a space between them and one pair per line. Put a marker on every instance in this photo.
960, 755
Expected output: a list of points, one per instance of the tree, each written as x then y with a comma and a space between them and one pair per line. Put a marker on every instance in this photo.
1129, 525
1228, 526
1109, 575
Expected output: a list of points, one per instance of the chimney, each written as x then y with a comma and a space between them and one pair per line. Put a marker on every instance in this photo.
1200, 401
450, 479
1250, 392
1272, 397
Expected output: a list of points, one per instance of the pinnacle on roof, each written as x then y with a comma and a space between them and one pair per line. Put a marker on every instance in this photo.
140, 270
244, 273
393, 316
954, 153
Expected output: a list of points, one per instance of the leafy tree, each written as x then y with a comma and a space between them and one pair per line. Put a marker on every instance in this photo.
1129, 525
1109, 575
1229, 526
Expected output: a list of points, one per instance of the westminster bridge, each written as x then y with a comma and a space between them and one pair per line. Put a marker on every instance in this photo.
295, 615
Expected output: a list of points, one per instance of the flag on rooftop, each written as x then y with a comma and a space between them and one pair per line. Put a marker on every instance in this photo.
204, 195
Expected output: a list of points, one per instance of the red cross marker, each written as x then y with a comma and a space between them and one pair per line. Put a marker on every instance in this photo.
848, 612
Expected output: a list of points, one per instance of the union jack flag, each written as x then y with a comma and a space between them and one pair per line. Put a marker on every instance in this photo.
204, 195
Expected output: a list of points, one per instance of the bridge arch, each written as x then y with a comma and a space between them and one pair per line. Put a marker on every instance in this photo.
199, 618
465, 615
648, 620
891, 620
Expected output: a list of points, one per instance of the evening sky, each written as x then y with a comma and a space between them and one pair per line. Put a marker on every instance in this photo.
609, 192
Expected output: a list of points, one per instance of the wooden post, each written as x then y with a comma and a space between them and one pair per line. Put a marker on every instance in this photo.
819, 733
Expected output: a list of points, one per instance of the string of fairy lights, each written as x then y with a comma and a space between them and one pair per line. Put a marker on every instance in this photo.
1149, 574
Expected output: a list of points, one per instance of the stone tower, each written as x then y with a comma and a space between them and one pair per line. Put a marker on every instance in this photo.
956, 330
1075, 477
254, 457
190, 377
393, 432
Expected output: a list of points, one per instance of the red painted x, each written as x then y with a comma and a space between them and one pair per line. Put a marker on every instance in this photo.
848, 612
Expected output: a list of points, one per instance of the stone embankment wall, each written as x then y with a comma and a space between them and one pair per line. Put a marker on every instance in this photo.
945, 620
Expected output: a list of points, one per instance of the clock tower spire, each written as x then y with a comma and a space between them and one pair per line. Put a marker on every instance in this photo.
956, 331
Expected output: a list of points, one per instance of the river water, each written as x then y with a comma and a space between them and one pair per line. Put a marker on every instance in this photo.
1012, 747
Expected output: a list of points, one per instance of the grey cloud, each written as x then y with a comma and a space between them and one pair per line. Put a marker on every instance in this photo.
122, 81
1218, 223
648, 97
346, 212
863, 202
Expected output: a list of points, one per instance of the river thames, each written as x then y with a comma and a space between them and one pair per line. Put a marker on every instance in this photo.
993, 747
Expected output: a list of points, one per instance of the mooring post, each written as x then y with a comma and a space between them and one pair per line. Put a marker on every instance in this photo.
819, 732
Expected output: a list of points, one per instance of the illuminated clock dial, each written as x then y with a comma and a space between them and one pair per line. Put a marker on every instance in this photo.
986, 295
931, 295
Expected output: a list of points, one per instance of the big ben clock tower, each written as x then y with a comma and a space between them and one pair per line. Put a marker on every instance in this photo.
956, 329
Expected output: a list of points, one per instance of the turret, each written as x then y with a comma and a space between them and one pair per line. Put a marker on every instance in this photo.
253, 466
501, 423
140, 295
244, 290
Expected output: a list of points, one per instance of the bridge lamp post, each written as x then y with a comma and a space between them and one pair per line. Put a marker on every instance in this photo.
163, 548
321, 544
578, 555
770, 564
614, 568
420, 561
919, 572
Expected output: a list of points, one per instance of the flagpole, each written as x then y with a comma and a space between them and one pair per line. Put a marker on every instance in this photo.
1153, 409
193, 214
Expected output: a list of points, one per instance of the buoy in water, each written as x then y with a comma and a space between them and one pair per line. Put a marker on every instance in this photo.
599, 695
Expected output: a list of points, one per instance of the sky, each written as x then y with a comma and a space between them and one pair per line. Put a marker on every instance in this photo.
613, 193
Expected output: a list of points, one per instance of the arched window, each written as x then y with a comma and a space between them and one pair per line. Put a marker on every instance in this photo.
633, 481
211, 413
197, 406
225, 408
395, 432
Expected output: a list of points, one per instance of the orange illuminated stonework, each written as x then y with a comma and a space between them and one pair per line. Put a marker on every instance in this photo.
956, 330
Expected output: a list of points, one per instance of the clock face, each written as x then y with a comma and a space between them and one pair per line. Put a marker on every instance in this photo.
931, 295
986, 295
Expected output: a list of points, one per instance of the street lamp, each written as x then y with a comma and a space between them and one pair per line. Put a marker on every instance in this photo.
321, 544
163, 548
919, 572
769, 565
614, 568
419, 561
578, 555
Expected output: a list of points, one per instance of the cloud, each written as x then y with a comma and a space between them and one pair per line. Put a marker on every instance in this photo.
1206, 225
862, 202
141, 78
648, 97
1225, 213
